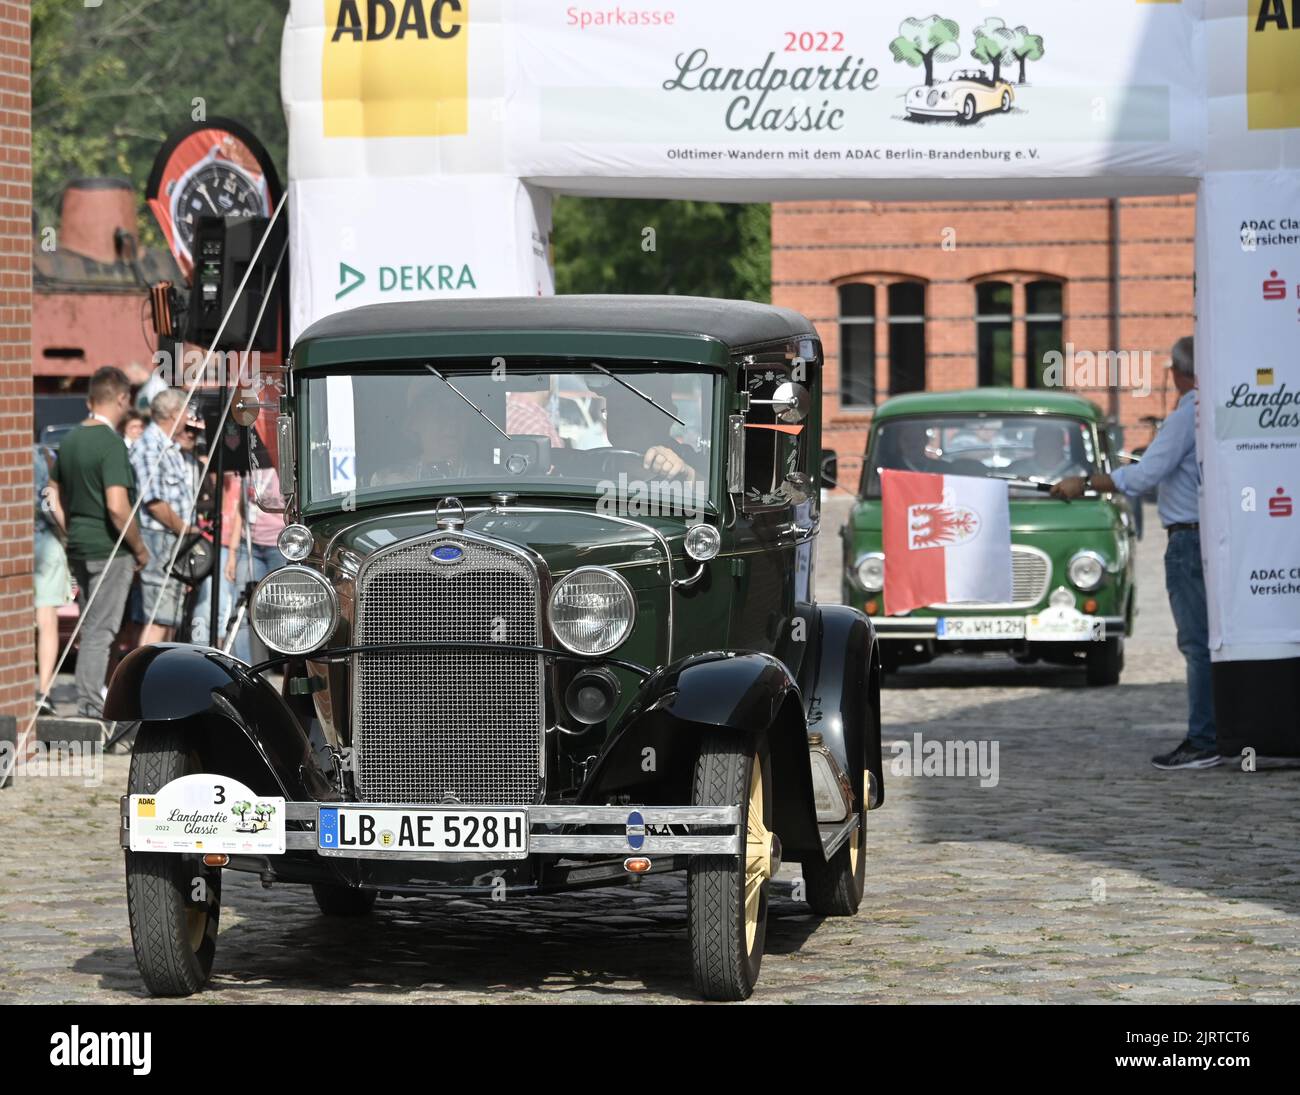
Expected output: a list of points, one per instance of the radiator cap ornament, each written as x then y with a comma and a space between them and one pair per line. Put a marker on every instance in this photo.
448, 521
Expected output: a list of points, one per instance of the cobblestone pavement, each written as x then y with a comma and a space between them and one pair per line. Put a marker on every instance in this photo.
1083, 875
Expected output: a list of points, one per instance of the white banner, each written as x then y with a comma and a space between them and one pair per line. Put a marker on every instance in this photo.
369, 241
826, 90
1248, 432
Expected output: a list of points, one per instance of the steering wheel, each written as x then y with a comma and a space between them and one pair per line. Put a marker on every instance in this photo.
614, 461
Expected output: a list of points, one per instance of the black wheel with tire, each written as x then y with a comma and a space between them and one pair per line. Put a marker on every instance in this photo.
173, 901
1105, 662
968, 110
1006, 102
834, 887
336, 900
726, 904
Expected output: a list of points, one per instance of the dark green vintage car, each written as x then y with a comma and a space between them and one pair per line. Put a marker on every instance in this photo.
548, 623
1073, 597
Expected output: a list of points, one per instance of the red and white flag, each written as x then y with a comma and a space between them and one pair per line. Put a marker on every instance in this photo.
947, 540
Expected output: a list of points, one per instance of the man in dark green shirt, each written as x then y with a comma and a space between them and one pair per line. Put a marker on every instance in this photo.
97, 490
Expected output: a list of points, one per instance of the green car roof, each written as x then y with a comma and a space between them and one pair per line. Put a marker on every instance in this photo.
990, 401
696, 330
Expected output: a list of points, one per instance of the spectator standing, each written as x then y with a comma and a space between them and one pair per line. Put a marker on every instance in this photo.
167, 473
264, 528
52, 578
132, 427
1170, 466
95, 489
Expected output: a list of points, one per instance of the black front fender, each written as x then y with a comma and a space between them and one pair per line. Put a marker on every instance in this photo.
243, 727
650, 756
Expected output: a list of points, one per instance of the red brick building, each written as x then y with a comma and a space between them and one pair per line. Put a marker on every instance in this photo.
949, 295
17, 671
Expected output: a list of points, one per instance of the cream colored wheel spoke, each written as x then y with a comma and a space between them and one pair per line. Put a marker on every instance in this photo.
758, 853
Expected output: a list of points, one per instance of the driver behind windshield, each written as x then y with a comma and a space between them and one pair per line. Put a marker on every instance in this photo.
633, 424
438, 436
1053, 457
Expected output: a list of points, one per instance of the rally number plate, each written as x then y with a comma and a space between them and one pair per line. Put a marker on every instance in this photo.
422, 833
953, 628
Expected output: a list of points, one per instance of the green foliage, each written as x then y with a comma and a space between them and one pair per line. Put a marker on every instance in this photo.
109, 83
993, 45
628, 245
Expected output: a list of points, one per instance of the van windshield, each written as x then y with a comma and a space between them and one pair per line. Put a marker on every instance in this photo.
1044, 448
433, 429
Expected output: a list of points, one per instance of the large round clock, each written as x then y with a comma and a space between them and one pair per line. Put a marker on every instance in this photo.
215, 168
214, 188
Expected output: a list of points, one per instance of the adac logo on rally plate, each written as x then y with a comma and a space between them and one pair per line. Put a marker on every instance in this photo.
940, 524
395, 68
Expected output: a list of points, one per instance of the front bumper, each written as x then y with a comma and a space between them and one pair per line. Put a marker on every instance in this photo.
908, 629
552, 830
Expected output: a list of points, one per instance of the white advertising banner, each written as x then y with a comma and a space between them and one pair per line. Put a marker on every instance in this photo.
1249, 411
825, 90
369, 241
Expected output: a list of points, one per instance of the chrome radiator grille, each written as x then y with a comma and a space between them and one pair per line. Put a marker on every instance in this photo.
465, 723
1031, 574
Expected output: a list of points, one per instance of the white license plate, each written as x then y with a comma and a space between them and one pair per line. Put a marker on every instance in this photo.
1064, 625
951, 628
380, 830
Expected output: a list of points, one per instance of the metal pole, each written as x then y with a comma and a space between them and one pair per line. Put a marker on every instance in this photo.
214, 604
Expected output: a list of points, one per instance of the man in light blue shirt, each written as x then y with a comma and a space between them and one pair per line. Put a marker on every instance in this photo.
1170, 466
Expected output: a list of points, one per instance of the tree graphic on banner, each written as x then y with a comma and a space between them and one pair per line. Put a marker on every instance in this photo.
1026, 47
993, 45
921, 42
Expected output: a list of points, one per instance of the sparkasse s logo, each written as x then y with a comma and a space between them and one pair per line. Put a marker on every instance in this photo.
395, 68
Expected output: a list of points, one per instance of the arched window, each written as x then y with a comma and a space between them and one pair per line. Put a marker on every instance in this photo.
906, 337
1044, 326
993, 333
857, 345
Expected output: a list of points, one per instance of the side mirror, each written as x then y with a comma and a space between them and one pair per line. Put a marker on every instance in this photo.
830, 468
791, 402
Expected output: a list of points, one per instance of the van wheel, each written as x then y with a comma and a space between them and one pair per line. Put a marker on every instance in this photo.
336, 900
1105, 662
726, 895
173, 901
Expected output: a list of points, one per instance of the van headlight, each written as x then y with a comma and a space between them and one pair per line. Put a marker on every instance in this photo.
592, 610
294, 610
870, 572
1086, 570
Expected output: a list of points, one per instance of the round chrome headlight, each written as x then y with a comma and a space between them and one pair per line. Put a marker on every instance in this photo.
871, 572
1086, 570
294, 610
702, 542
294, 542
592, 610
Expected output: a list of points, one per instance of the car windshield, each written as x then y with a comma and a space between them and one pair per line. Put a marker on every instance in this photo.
435, 429
1044, 448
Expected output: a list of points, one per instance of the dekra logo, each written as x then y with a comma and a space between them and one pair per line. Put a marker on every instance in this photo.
382, 19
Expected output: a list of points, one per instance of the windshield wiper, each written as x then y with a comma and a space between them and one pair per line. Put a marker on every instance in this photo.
470, 403
637, 392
